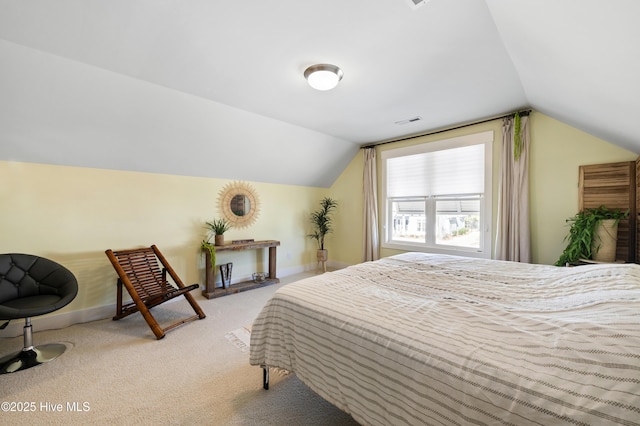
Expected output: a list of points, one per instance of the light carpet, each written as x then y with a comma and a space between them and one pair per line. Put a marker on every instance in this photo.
116, 372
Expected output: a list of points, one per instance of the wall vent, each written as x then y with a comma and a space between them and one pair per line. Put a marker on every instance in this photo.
414, 4
409, 120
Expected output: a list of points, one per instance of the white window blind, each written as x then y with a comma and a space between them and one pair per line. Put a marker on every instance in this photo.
445, 172
438, 196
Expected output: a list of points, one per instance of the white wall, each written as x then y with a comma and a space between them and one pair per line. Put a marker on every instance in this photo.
57, 111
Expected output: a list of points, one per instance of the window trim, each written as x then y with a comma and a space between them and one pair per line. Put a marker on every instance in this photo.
485, 138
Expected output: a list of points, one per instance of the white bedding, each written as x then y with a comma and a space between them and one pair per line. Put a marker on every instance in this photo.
433, 339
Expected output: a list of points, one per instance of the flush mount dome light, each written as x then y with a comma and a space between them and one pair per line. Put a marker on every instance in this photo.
323, 76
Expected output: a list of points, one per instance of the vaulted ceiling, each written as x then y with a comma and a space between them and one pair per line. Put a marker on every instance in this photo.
216, 88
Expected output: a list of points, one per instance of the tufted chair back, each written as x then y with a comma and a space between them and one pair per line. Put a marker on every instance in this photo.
32, 285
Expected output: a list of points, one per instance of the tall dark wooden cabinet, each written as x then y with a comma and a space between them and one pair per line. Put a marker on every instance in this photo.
614, 185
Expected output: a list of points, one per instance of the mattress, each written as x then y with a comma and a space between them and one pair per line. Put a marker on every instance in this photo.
444, 340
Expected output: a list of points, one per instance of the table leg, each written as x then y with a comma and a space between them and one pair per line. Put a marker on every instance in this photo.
272, 263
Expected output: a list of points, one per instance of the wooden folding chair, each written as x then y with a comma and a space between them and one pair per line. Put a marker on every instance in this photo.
139, 272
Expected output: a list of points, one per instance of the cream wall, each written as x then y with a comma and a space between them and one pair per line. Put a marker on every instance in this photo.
345, 242
556, 152
73, 214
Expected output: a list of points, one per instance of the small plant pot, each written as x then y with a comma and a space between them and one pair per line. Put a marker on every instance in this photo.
219, 240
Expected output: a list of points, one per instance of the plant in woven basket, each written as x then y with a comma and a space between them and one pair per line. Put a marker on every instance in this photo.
582, 232
321, 221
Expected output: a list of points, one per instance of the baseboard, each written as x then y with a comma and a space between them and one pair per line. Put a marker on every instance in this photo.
335, 265
56, 321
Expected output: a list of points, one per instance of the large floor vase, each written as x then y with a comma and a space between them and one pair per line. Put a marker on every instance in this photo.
605, 239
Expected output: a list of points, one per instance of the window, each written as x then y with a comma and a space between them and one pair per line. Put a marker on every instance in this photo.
438, 196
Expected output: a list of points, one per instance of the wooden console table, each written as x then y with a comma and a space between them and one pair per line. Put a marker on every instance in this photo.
211, 291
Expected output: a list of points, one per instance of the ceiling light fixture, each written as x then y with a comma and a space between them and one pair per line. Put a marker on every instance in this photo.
323, 76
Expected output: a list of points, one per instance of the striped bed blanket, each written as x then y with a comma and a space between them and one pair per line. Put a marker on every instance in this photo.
424, 339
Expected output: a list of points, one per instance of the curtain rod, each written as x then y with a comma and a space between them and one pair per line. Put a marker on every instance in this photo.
523, 113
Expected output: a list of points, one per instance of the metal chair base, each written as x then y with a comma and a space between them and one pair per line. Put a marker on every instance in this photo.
31, 357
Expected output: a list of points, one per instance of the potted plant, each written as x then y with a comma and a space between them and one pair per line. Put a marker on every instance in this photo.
321, 221
591, 229
218, 227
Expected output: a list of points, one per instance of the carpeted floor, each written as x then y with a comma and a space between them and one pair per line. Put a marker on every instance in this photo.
115, 372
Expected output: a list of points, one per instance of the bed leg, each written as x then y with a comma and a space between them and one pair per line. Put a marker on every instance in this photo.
265, 377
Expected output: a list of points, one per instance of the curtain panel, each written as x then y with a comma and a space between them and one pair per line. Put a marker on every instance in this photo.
513, 239
370, 190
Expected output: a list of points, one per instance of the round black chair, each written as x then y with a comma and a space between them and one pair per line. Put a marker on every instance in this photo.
30, 286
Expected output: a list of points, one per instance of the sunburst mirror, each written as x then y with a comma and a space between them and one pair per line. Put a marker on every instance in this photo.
239, 204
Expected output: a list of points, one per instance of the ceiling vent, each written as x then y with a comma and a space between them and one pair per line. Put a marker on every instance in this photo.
408, 120
414, 4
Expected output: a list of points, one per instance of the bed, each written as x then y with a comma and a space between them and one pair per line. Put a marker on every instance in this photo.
425, 339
